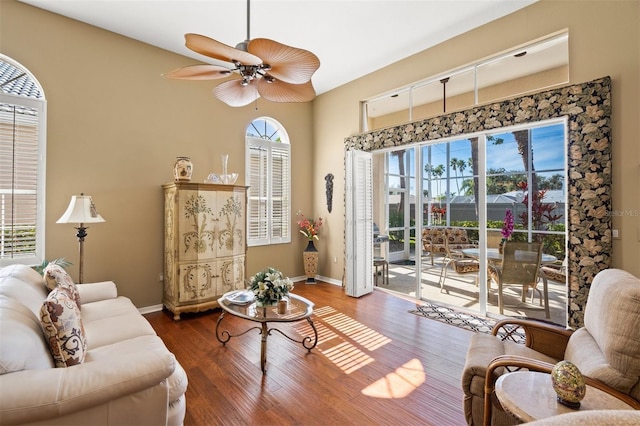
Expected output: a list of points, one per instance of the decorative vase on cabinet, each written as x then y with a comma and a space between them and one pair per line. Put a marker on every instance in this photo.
204, 244
182, 169
310, 258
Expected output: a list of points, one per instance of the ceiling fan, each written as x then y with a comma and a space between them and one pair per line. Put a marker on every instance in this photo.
266, 68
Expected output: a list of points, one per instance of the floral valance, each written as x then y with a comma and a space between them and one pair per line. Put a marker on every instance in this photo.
587, 107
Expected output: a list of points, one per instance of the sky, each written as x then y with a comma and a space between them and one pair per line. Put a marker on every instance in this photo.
548, 145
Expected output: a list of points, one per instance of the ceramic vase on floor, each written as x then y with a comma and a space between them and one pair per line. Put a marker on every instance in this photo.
310, 257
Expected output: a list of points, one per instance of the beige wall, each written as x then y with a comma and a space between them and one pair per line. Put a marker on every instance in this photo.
604, 39
114, 129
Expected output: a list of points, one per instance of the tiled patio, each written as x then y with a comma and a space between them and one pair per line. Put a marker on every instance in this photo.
461, 292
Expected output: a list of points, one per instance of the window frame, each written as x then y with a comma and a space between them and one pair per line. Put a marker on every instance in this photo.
270, 178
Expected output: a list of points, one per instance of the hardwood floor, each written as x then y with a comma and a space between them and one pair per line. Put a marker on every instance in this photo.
374, 364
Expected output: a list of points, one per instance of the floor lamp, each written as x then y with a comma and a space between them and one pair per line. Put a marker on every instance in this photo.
81, 210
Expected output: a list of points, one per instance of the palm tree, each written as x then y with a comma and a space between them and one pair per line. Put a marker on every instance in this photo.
403, 184
522, 139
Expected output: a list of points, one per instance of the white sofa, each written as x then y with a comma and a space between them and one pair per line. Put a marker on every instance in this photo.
127, 377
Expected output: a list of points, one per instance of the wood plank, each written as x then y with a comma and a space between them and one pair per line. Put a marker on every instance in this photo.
375, 363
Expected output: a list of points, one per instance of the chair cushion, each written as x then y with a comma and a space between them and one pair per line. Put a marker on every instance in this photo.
56, 276
63, 328
466, 265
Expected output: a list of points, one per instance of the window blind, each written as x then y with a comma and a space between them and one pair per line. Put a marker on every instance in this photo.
19, 140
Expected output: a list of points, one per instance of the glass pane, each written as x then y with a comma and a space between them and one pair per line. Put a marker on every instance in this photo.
388, 111
503, 154
459, 91
538, 66
427, 100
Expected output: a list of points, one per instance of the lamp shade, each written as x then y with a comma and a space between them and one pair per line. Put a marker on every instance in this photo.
81, 210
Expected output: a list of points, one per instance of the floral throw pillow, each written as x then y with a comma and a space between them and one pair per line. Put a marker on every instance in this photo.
56, 276
63, 329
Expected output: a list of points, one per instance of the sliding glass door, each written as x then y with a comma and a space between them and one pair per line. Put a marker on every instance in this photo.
466, 186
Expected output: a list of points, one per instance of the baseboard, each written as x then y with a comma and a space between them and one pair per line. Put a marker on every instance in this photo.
298, 280
149, 309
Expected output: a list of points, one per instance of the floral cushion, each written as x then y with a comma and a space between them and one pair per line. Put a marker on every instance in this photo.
56, 276
63, 329
433, 239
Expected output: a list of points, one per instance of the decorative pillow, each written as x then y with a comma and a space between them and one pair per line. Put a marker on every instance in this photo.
56, 276
63, 329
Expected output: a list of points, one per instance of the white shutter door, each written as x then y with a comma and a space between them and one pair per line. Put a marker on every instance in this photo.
359, 223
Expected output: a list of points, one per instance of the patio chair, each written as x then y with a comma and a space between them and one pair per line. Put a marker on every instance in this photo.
556, 272
606, 349
456, 240
520, 266
434, 241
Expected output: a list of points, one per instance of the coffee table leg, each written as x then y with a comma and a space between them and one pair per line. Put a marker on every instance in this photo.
308, 340
224, 336
263, 347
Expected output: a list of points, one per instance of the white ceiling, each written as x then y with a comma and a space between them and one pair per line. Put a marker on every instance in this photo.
351, 38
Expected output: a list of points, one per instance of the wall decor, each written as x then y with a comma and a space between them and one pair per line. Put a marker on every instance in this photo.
587, 107
328, 180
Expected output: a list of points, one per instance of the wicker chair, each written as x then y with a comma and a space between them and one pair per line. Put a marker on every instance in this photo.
606, 349
521, 266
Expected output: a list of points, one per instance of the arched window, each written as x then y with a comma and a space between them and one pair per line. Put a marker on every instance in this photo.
22, 165
268, 175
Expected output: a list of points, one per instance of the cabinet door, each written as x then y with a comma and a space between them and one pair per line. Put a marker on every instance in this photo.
197, 281
230, 274
231, 223
197, 225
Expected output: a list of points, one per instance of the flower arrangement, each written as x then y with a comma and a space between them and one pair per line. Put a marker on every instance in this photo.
507, 227
308, 228
438, 210
270, 286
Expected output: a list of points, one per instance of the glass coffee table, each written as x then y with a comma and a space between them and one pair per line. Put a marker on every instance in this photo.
238, 304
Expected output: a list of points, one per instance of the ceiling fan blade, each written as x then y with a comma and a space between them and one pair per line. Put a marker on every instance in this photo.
199, 72
214, 49
280, 91
235, 94
288, 64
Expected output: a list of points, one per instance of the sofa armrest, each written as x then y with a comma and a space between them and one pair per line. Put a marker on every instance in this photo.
518, 362
541, 336
93, 292
34, 395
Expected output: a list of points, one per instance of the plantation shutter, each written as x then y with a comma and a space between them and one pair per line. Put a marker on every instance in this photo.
269, 186
359, 223
21, 226
257, 212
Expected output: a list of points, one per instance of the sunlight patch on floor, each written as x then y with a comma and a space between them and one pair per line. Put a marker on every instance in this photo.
398, 384
357, 331
347, 356
343, 340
